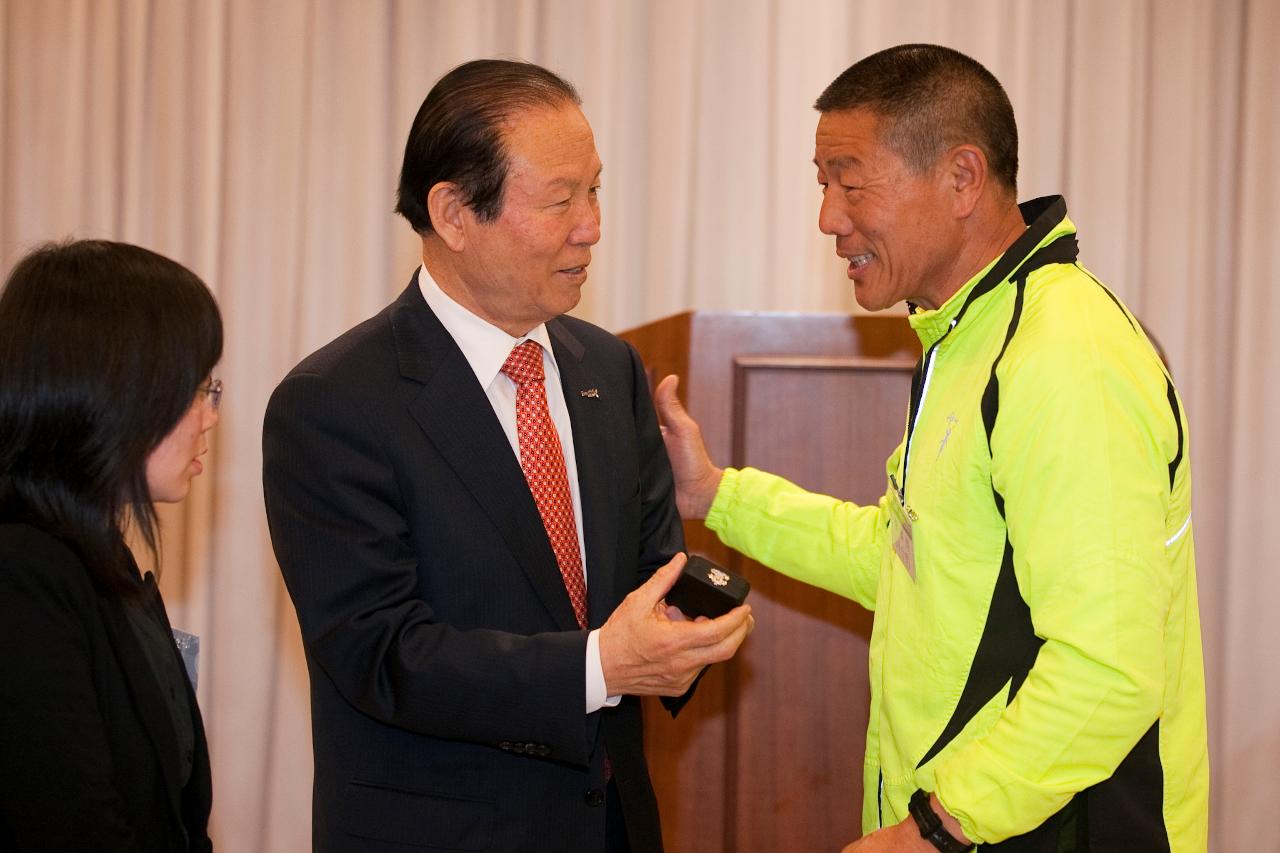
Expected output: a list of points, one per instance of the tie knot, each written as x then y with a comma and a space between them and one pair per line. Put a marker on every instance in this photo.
524, 365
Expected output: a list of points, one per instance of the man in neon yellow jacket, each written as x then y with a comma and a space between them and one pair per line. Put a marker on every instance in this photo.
1035, 662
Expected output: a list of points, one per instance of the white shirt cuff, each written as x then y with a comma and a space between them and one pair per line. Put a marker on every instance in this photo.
596, 697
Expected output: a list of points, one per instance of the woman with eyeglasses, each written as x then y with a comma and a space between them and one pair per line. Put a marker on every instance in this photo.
106, 351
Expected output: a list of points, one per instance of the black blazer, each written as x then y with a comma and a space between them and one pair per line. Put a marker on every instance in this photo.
447, 671
88, 753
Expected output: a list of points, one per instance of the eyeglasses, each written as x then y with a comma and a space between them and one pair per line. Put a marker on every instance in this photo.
214, 390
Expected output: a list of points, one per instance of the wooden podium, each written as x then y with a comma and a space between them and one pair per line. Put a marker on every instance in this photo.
768, 756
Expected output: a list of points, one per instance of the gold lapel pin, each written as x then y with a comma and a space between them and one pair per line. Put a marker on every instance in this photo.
590, 392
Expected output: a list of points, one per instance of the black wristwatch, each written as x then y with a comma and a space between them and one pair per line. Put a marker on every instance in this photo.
931, 828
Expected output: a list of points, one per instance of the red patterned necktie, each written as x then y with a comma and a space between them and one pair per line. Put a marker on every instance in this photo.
543, 462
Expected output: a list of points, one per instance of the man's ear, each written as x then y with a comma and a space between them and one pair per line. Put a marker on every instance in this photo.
447, 210
966, 171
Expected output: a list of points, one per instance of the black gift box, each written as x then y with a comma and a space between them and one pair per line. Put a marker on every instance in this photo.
705, 589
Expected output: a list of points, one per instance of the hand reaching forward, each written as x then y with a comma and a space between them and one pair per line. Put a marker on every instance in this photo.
649, 649
697, 479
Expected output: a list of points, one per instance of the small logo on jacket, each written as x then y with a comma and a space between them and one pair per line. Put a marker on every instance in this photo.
590, 392
952, 422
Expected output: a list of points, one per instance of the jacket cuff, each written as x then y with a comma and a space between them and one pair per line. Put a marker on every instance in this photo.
718, 514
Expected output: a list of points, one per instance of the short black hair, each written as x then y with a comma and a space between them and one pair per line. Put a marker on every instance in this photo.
457, 133
931, 98
103, 348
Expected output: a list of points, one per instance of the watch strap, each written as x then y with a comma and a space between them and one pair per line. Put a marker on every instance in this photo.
930, 825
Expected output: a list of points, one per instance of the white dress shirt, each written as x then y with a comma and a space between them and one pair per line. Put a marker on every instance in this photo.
486, 348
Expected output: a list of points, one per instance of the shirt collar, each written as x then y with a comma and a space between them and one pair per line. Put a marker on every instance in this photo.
483, 344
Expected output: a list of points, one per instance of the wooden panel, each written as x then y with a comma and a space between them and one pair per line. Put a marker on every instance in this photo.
798, 710
768, 755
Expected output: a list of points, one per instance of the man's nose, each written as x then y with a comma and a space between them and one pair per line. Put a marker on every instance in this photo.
833, 218
587, 231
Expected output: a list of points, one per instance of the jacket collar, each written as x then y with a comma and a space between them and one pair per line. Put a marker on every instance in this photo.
145, 689
588, 399
1046, 220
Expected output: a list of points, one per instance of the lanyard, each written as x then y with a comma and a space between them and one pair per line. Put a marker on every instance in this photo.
1061, 251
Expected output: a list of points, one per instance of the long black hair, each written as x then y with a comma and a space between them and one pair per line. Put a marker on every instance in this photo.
103, 347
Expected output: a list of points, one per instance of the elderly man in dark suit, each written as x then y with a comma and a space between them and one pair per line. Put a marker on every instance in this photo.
473, 510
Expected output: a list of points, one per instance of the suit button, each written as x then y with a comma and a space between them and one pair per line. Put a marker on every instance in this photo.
505, 745
594, 797
543, 750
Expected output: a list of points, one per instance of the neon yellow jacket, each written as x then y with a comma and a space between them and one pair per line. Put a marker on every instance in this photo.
1041, 671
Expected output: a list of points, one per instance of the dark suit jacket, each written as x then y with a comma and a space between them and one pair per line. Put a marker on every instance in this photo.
447, 671
88, 754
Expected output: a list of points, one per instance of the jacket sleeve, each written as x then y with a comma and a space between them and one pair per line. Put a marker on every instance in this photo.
816, 539
340, 532
57, 791
1080, 454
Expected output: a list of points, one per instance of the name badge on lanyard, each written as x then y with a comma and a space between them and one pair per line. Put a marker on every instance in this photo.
901, 518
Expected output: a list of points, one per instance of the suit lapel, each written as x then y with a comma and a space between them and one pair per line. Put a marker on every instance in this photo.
145, 690
588, 402
456, 416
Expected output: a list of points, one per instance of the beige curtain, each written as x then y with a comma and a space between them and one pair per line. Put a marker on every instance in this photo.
259, 141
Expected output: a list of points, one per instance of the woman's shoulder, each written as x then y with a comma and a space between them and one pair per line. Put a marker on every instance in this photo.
32, 559
21, 537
